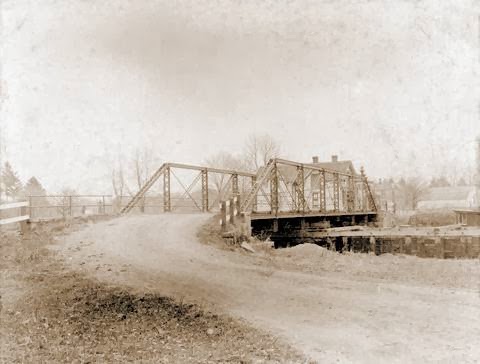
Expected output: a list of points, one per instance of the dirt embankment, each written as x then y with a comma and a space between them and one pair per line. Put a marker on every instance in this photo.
348, 308
52, 314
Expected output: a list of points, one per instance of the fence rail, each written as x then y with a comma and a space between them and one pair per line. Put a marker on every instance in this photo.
22, 216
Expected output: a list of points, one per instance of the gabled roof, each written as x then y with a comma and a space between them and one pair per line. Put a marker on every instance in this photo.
289, 173
456, 193
339, 166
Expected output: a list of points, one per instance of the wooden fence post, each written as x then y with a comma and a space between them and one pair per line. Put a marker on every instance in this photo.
24, 225
223, 214
30, 209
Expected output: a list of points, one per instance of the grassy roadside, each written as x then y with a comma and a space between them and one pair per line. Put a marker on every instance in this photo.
50, 314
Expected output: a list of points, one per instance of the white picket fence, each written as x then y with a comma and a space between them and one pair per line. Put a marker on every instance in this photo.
23, 215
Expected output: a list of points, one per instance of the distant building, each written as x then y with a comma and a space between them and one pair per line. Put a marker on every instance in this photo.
334, 165
457, 197
384, 190
346, 199
468, 217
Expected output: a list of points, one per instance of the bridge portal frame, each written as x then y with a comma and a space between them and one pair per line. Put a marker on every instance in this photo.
166, 172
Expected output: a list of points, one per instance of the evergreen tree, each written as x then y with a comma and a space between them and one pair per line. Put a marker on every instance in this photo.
34, 188
35, 192
12, 186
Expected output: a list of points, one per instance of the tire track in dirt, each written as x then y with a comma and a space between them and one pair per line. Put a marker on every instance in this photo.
329, 315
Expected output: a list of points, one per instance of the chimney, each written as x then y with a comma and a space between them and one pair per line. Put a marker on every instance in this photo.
335, 158
315, 159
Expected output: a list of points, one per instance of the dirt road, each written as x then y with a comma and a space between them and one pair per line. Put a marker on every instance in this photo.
334, 308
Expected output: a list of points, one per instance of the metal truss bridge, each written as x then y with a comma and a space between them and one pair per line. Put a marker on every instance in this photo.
280, 190
187, 187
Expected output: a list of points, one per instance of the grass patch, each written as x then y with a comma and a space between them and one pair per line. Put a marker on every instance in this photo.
51, 314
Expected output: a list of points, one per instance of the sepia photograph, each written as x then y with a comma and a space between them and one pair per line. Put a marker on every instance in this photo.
239, 181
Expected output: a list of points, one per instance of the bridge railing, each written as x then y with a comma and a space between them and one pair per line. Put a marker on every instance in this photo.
289, 187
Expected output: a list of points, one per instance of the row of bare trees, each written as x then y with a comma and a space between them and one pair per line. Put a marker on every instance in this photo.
257, 151
130, 174
123, 182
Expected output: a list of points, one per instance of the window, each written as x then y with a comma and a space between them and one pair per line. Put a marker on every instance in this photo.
315, 199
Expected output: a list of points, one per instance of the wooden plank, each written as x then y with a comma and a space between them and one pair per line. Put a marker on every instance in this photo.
346, 228
13, 205
14, 219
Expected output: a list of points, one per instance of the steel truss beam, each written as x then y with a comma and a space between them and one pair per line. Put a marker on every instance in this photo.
235, 189
210, 170
300, 189
323, 192
351, 194
224, 189
334, 191
204, 190
274, 190
189, 188
255, 199
167, 202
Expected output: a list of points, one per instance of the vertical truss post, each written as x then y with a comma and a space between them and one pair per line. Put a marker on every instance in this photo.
274, 190
294, 195
235, 190
167, 203
370, 201
364, 190
205, 190
336, 192
323, 186
254, 203
351, 194
300, 190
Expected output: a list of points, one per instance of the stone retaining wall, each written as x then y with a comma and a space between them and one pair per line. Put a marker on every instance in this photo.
421, 246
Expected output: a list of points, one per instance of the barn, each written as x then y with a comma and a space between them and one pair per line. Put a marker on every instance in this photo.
452, 197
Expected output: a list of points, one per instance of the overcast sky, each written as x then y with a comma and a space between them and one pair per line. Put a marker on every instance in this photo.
391, 85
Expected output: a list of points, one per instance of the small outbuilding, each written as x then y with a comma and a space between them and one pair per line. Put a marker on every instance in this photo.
468, 217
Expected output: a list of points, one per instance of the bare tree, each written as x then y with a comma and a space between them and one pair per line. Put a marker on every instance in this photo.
118, 185
411, 191
127, 181
259, 149
65, 202
118, 181
142, 162
223, 160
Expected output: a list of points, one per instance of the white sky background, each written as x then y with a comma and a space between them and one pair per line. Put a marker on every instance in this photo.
392, 85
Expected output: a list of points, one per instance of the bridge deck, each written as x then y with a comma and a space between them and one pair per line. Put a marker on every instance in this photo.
287, 215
